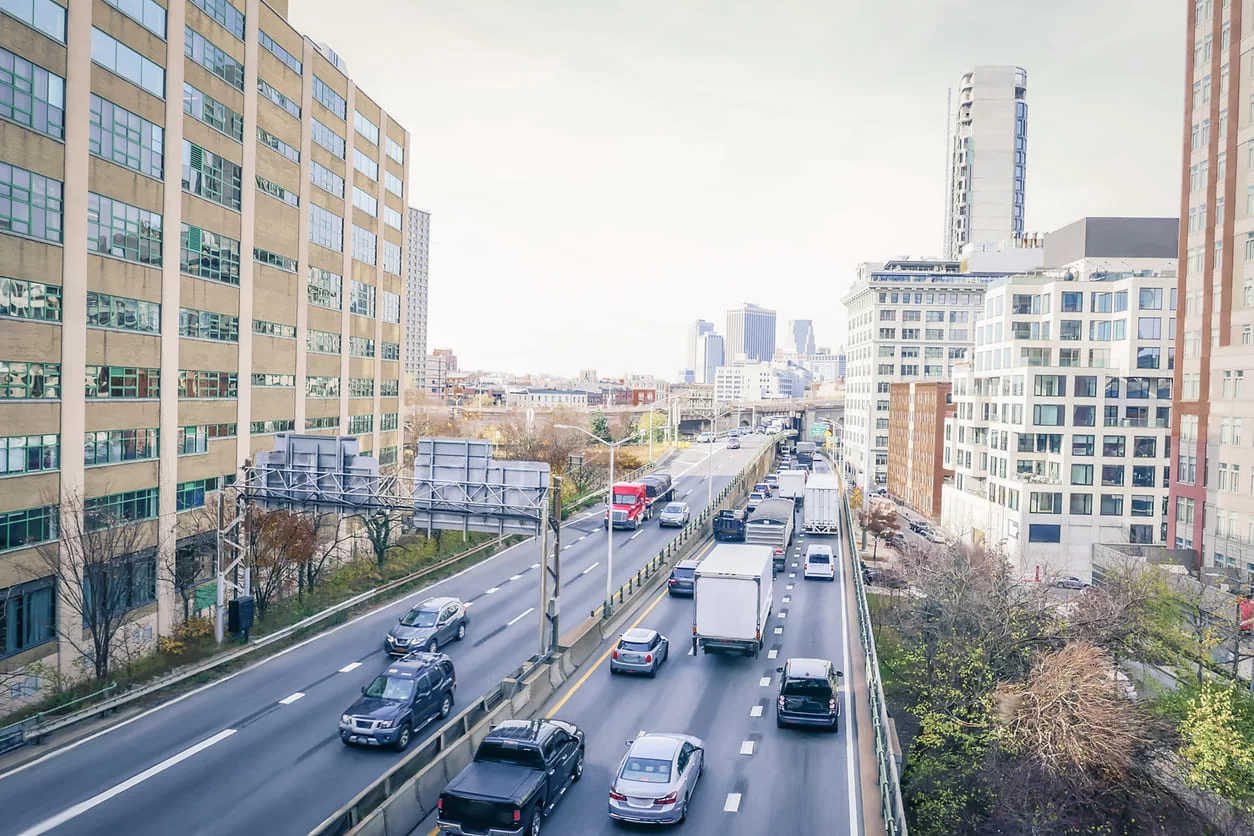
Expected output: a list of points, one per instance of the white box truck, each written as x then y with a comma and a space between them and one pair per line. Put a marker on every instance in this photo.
792, 485
822, 505
733, 595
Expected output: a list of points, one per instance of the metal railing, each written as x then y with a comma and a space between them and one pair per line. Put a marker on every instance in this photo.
16, 735
891, 806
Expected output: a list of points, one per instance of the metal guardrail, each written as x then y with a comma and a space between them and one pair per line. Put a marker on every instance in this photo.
39, 730
891, 806
16, 735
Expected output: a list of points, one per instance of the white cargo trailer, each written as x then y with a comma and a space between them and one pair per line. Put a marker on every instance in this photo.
792, 485
822, 505
732, 599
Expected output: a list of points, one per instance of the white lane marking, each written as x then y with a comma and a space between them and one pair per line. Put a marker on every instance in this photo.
468, 604
291, 699
686, 494
519, 618
535, 566
746, 748
789, 586
116, 790
764, 682
492, 590
792, 574
787, 599
732, 805
850, 731
782, 615
794, 564
581, 539
634, 536
350, 667
590, 568
771, 654
567, 546
756, 711
514, 577
779, 631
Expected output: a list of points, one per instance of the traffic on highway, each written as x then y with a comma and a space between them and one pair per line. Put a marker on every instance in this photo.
279, 746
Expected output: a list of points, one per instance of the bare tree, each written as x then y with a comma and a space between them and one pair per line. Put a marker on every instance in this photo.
331, 535
280, 543
105, 567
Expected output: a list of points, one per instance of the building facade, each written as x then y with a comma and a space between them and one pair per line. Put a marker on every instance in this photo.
1061, 434
909, 320
547, 398
916, 444
201, 245
416, 285
1212, 504
710, 355
802, 332
696, 331
749, 382
750, 334
988, 159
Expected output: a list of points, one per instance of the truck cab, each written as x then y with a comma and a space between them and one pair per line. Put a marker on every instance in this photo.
521, 770
628, 505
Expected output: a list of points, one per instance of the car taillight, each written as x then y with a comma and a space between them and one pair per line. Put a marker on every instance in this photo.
781, 700
617, 796
831, 704
649, 658
616, 653
439, 804
667, 799
671, 581
517, 815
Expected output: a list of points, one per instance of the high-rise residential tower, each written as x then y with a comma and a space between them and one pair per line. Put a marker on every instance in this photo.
1212, 500
988, 159
802, 331
416, 296
696, 331
750, 334
201, 245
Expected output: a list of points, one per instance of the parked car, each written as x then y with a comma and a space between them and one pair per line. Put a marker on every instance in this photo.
639, 650
683, 578
428, 626
809, 694
656, 778
935, 536
820, 563
897, 540
733, 443
412, 692
1070, 582
675, 514
919, 528
705, 438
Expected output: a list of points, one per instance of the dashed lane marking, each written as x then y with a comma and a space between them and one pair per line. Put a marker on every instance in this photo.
492, 591
350, 667
535, 566
590, 568
779, 631
756, 711
787, 599
746, 748
764, 682
634, 536
291, 699
520, 617
514, 577
771, 654
732, 804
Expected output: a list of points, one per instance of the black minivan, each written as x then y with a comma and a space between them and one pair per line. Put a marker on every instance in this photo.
809, 694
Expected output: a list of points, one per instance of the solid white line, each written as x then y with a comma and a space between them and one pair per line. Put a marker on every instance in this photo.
756, 711
746, 748
732, 805
351, 666
519, 618
590, 568
116, 790
850, 729
771, 654
492, 590
764, 682
291, 699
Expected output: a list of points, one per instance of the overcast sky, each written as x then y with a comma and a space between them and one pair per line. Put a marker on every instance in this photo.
602, 173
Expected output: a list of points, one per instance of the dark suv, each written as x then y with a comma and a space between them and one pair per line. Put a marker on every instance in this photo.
412, 692
683, 578
809, 694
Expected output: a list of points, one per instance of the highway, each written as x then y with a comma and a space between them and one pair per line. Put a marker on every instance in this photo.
259, 752
758, 779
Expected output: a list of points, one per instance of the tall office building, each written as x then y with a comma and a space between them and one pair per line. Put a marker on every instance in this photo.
695, 332
710, 355
201, 244
416, 296
802, 331
988, 159
750, 334
1212, 499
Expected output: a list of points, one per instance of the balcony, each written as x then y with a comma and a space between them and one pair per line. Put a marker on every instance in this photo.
1037, 478
1156, 423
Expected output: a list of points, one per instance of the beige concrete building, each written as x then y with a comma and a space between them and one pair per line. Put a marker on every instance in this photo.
202, 243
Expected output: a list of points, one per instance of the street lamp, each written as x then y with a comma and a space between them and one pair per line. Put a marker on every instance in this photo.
609, 521
709, 459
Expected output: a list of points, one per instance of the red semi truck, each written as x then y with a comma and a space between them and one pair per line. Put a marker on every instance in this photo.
634, 503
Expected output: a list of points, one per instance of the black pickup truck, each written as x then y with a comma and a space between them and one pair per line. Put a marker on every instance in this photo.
729, 525
520, 771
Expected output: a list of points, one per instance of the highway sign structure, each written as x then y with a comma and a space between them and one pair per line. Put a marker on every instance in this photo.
817, 430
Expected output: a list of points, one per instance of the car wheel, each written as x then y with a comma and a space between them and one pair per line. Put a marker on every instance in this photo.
533, 829
446, 705
433, 646
461, 631
402, 740
683, 813
577, 773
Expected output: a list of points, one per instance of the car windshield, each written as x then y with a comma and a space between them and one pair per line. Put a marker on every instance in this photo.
818, 557
807, 688
390, 688
675, 508
649, 770
419, 618
636, 647
496, 752
684, 574
624, 499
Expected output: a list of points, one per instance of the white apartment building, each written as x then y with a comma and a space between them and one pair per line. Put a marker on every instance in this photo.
1061, 435
749, 382
908, 320
546, 398
416, 284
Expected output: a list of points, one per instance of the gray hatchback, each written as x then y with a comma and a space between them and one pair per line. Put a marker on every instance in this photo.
639, 651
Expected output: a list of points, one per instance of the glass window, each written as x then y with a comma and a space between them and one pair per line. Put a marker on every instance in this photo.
361, 299
1084, 415
1072, 302
228, 17
1151, 299
322, 387
206, 384
279, 52
391, 307
363, 163
1049, 415
146, 13
1082, 503
208, 255
1039, 533
328, 139
389, 421
116, 446
123, 382
1144, 475
31, 95
1149, 327
1045, 503
105, 311
278, 192
123, 231
323, 342
1112, 475
273, 426
274, 329
365, 202
1081, 474
120, 59
201, 50
41, 15
213, 113
325, 289
360, 424
326, 179
1142, 506
1071, 330
29, 454
361, 387
274, 380
393, 184
391, 217
1112, 505
366, 128
395, 151
278, 98
280, 262
392, 258
1148, 358
275, 144
365, 245
27, 609
190, 495
360, 346
27, 527
212, 177
208, 325
330, 99
390, 351
22, 299
129, 583
325, 228
30, 204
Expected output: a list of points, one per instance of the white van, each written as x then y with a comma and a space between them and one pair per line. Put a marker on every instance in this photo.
820, 563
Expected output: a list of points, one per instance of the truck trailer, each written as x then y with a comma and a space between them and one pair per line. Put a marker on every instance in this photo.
632, 504
733, 595
822, 505
792, 485
771, 525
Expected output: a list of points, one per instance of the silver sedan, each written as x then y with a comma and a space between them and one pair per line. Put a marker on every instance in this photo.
655, 781
640, 651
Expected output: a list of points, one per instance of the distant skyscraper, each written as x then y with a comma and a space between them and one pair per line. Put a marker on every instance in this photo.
710, 355
695, 332
416, 296
802, 331
751, 332
988, 159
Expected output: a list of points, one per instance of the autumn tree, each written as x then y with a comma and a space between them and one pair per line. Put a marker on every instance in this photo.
280, 542
880, 521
